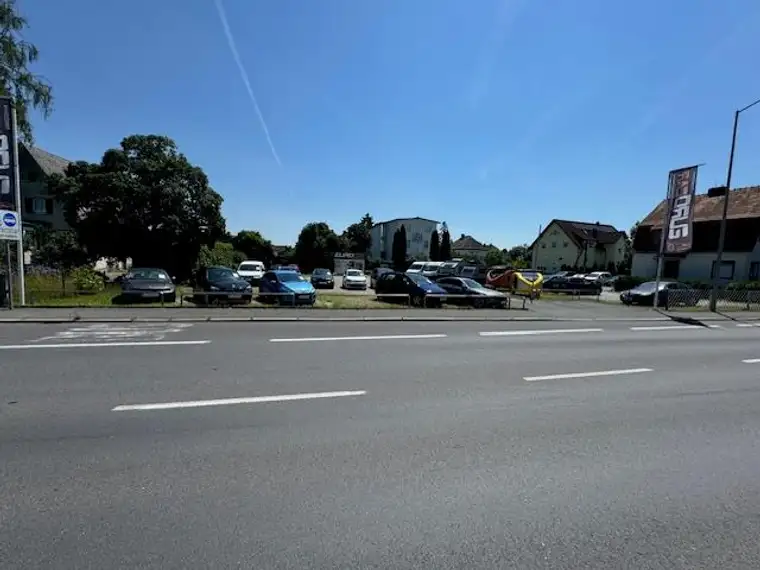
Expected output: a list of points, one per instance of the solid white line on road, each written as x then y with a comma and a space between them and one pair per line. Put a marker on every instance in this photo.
748, 325
674, 327
379, 337
538, 332
103, 344
587, 374
751, 361
232, 401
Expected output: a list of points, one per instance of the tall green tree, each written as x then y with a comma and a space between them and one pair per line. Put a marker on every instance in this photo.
398, 249
494, 256
317, 244
435, 246
254, 246
143, 201
519, 254
445, 254
223, 253
29, 91
358, 237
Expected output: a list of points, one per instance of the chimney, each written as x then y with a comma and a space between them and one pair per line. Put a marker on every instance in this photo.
716, 191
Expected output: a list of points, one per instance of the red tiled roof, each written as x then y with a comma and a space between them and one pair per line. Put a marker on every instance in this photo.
467, 242
742, 203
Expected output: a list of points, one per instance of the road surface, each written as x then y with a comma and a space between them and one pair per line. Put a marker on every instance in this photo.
380, 445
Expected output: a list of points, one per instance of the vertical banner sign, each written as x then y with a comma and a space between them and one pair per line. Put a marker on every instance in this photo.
677, 229
7, 157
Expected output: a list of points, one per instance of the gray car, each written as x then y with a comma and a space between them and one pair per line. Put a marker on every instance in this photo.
149, 285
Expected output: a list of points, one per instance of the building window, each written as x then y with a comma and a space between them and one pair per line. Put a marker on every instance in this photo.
754, 270
554, 244
727, 269
543, 246
38, 205
408, 243
565, 244
426, 244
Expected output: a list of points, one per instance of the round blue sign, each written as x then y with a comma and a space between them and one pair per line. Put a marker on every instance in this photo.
9, 220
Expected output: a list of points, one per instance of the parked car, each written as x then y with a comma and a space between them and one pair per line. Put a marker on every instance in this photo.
573, 284
669, 293
217, 284
148, 284
286, 287
601, 277
322, 278
418, 290
376, 273
474, 293
354, 279
251, 271
416, 267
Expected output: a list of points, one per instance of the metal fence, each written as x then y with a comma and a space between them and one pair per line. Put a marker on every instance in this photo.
731, 299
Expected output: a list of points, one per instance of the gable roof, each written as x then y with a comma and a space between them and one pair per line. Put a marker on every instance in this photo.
742, 203
467, 243
582, 232
405, 219
48, 162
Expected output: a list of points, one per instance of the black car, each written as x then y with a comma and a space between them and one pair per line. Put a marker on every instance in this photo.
466, 291
411, 288
376, 273
149, 285
322, 278
671, 293
218, 284
563, 283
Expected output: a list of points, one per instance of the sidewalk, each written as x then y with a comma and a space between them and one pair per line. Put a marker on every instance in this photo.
538, 312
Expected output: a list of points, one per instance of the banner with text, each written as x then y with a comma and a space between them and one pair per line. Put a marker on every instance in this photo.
679, 214
7, 157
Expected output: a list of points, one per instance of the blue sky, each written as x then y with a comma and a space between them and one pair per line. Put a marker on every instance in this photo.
492, 115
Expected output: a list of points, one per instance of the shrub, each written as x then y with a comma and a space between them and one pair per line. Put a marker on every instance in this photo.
87, 280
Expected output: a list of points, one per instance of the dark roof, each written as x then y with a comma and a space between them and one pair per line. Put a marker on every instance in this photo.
742, 203
467, 242
400, 219
48, 162
742, 235
582, 232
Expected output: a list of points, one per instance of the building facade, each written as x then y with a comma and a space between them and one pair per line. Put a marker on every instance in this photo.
741, 257
38, 207
582, 245
418, 232
467, 247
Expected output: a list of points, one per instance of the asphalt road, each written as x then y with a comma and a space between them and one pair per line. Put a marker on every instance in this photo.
411, 445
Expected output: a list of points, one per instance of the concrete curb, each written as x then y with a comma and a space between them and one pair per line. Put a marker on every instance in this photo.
77, 319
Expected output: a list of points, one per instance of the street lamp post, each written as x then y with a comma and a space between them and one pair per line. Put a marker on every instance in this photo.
722, 236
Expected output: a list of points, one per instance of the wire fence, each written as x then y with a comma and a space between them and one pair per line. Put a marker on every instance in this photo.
732, 299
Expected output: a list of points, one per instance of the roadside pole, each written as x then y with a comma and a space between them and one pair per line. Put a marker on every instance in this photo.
17, 183
9, 282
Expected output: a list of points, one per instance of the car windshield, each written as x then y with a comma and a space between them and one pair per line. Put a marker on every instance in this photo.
431, 267
420, 279
290, 276
221, 273
250, 267
646, 287
353, 273
321, 271
148, 274
416, 267
472, 284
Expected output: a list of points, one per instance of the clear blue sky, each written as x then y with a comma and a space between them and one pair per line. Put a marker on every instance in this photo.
493, 115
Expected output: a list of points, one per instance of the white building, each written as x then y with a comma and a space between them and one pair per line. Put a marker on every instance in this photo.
418, 231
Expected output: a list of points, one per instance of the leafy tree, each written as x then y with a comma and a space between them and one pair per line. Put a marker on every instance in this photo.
316, 246
519, 254
398, 249
144, 201
254, 246
435, 246
222, 253
59, 250
494, 256
445, 253
357, 237
16, 54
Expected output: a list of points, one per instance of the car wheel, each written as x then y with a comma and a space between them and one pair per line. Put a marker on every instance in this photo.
418, 300
478, 303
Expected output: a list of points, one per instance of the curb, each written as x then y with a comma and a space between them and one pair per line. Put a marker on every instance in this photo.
77, 319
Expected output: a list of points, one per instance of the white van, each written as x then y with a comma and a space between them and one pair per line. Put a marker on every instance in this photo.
252, 271
416, 267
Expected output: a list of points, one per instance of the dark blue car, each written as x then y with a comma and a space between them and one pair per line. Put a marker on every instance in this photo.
413, 288
286, 287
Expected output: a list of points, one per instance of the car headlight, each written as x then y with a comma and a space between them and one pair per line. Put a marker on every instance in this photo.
248, 289
213, 288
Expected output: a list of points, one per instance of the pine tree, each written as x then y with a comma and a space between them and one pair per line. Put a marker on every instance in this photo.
445, 253
435, 246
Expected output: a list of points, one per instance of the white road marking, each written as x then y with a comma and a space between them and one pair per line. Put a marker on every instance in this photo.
747, 325
232, 401
538, 332
587, 374
751, 361
378, 337
674, 327
103, 344
106, 331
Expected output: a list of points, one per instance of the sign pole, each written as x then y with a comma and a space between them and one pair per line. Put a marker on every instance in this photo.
661, 254
17, 183
9, 285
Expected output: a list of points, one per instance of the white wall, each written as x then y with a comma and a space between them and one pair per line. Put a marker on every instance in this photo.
695, 266
555, 249
417, 238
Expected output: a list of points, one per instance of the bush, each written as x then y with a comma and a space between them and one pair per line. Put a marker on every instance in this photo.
87, 280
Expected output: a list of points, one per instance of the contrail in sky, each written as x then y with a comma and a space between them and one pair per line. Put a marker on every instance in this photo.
244, 76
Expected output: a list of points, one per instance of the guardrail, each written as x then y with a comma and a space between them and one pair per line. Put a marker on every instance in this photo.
732, 299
